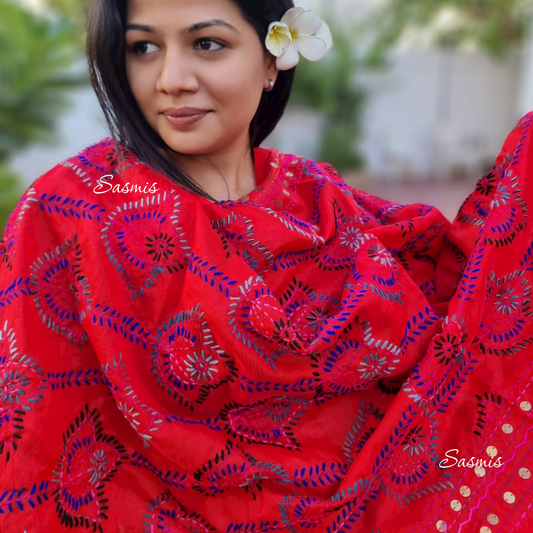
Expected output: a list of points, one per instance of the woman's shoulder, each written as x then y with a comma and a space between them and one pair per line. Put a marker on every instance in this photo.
65, 196
514, 144
304, 169
81, 172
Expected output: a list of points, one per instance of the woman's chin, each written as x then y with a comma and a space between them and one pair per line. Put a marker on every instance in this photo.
194, 146
187, 148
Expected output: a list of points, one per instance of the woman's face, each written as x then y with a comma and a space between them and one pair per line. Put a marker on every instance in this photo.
199, 54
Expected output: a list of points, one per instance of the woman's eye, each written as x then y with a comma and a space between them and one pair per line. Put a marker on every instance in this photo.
139, 48
208, 45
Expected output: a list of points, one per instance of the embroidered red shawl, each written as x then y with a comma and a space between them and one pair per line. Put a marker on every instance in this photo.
309, 357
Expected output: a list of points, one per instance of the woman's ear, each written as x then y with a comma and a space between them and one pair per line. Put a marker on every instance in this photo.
271, 69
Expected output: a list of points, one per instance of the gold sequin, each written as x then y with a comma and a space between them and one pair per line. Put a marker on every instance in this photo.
279, 204
485, 529
245, 198
465, 491
285, 183
524, 473
480, 471
456, 505
492, 451
492, 519
525, 406
507, 428
442, 526
509, 497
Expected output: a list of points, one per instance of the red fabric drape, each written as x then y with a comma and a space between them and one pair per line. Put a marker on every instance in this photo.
309, 357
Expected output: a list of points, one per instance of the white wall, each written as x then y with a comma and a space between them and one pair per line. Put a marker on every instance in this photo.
525, 102
434, 111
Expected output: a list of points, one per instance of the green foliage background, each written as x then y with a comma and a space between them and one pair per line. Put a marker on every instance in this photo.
492, 25
36, 54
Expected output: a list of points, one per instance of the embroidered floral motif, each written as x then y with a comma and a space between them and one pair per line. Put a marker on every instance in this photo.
508, 319
22, 385
266, 422
186, 361
238, 236
231, 470
167, 515
447, 348
160, 246
56, 282
144, 420
89, 461
163, 250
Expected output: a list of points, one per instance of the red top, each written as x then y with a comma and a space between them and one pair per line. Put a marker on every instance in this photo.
309, 357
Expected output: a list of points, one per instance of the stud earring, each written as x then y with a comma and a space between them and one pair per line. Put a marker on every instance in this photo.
270, 86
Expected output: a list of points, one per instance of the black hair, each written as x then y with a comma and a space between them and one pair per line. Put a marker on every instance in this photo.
106, 21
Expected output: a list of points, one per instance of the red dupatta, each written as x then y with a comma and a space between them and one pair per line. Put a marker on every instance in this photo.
309, 357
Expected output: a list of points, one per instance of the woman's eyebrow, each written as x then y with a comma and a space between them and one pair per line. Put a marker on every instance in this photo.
191, 29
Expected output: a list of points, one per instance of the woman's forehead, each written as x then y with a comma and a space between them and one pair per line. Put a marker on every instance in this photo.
183, 12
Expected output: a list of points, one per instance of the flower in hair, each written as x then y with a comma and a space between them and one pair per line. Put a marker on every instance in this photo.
298, 32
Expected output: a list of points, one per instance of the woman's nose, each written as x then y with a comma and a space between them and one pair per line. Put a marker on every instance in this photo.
177, 74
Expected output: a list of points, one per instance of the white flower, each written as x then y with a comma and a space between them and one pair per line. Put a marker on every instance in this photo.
298, 32
279, 38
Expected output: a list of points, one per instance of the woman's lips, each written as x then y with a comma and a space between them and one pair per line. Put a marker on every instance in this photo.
185, 120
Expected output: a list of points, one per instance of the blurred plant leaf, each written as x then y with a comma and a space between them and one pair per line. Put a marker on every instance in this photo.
11, 190
36, 54
75, 11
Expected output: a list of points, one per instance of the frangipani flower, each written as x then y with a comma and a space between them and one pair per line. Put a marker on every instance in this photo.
279, 38
298, 32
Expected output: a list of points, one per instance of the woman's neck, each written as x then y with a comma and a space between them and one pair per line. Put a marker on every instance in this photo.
227, 175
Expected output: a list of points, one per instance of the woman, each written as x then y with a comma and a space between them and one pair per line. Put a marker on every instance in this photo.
199, 334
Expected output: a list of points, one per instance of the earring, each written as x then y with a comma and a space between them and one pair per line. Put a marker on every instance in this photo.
270, 86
